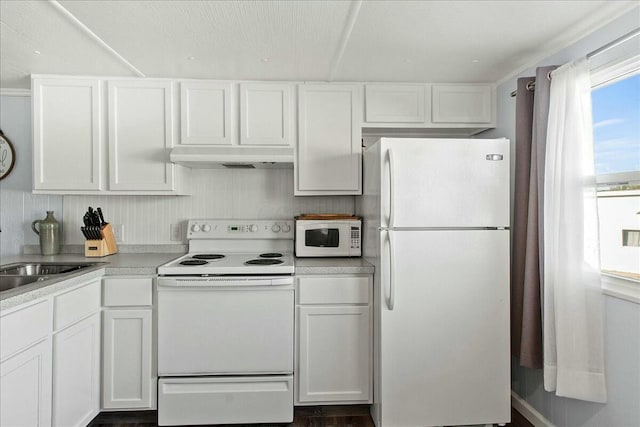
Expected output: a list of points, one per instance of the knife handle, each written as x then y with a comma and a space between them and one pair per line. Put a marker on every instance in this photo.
102, 221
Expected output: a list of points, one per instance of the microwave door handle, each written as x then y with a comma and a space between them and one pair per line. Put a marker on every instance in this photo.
392, 273
391, 188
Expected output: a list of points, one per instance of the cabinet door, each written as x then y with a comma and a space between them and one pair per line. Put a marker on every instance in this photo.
25, 387
334, 349
394, 103
462, 103
66, 134
328, 159
76, 373
140, 135
265, 114
205, 113
127, 375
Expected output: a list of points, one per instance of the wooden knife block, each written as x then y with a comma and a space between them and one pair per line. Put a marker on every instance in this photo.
103, 247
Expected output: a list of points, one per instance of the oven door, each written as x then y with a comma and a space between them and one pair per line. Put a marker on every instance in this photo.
225, 326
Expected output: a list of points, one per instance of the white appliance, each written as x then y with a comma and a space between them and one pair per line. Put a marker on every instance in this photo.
225, 325
328, 237
436, 226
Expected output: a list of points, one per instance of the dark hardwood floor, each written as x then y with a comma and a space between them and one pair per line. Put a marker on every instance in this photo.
309, 416
304, 416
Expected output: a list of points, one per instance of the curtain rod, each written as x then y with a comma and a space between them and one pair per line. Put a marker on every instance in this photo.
614, 43
634, 33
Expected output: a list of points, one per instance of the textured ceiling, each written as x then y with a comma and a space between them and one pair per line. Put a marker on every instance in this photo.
461, 41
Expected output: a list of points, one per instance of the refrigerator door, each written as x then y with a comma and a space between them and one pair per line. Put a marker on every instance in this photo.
444, 328
444, 182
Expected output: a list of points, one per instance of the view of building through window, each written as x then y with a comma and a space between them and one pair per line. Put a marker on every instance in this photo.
616, 130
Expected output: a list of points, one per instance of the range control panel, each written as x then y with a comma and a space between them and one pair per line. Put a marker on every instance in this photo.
239, 229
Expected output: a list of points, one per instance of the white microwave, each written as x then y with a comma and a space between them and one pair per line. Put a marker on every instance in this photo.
328, 238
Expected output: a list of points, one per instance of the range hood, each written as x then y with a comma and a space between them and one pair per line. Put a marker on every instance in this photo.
236, 157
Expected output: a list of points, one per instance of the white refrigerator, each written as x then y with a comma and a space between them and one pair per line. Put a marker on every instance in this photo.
436, 226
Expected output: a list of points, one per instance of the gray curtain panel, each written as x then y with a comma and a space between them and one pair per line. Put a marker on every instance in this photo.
532, 110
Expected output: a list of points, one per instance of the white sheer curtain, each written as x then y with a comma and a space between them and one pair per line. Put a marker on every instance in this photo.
573, 305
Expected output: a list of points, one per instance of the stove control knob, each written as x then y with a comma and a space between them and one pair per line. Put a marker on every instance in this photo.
253, 228
286, 228
195, 228
275, 228
206, 228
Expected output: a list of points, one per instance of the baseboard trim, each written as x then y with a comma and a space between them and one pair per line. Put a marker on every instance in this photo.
529, 412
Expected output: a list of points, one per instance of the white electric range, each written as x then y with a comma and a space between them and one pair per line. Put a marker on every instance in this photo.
225, 325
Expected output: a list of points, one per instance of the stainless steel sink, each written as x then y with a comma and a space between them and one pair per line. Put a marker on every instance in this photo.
10, 282
23, 273
41, 268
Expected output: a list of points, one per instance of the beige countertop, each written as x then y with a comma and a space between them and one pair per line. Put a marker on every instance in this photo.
113, 265
136, 263
333, 266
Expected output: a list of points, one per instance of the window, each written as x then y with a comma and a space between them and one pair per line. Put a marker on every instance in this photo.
616, 130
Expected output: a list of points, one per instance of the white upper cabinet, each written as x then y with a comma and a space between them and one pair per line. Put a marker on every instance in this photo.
266, 112
328, 158
140, 135
66, 132
398, 103
458, 103
116, 134
205, 113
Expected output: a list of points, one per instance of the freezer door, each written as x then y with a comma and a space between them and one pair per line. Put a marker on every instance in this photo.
445, 182
444, 345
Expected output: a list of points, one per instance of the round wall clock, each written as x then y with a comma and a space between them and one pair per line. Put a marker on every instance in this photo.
7, 156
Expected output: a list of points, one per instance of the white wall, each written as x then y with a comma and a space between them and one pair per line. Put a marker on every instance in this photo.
215, 193
18, 207
622, 330
617, 214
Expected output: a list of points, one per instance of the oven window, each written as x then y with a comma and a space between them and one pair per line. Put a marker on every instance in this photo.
322, 238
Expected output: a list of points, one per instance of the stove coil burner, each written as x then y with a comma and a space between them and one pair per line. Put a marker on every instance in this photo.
271, 255
208, 256
193, 262
263, 262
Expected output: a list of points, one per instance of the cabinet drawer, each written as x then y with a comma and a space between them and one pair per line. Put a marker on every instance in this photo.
19, 329
225, 400
75, 304
120, 292
333, 290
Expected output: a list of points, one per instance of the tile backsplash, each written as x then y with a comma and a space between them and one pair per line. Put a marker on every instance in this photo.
215, 193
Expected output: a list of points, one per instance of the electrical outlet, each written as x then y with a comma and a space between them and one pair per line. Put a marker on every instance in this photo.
176, 233
118, 232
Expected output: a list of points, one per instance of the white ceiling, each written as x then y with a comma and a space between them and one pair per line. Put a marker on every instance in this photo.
427, 41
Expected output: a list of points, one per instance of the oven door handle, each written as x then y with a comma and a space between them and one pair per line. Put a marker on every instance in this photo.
209, 282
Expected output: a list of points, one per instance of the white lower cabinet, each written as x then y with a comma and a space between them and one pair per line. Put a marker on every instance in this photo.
129, 375
76, 373
25, 387
334, 340
127, 359
50, 359
76, 355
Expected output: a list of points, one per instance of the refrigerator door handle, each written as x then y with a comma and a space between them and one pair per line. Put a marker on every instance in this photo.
391, 188
392, 273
